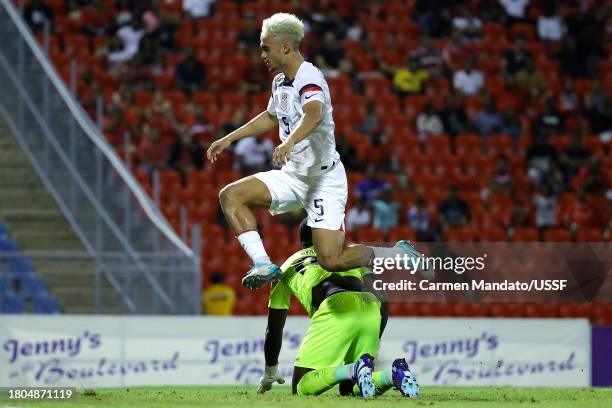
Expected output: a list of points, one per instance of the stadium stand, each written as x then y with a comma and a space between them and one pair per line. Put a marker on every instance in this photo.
545, 106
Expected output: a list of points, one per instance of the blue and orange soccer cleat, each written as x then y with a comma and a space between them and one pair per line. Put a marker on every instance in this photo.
363, 375
260, 274
403, 379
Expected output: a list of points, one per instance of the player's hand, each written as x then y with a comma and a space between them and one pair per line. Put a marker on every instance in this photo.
282, 153
217, 147
270, 377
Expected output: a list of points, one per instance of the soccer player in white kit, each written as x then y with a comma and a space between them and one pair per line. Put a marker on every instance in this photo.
312, 176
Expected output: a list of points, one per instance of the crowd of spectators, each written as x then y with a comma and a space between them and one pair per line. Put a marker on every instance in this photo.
532, 71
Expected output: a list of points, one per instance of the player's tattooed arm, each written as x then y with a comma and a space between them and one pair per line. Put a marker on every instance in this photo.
274, 335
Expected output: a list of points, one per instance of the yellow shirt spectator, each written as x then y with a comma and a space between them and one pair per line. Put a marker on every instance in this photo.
410, 79
218, 299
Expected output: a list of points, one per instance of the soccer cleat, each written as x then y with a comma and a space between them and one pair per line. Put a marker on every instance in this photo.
403, 379
421, 267
260, 274
362, 375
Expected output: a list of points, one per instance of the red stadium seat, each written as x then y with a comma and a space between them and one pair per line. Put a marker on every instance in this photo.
542, 310
525, 234
370, 234
557, 235
589, 235
503, 309
575, 310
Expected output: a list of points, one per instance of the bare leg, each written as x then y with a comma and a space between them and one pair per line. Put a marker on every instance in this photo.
239, 197
336, 258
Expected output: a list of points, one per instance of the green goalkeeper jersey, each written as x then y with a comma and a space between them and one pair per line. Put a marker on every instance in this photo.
301, 273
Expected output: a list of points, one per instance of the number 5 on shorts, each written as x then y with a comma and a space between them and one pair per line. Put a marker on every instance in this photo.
318, 204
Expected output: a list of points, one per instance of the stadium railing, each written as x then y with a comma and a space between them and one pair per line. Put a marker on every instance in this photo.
104, 204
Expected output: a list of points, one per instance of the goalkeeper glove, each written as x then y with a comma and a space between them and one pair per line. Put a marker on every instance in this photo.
270, 377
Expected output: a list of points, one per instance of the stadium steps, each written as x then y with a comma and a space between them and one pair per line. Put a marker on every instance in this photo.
37, 224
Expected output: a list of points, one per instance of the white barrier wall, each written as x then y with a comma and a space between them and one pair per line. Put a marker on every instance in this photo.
109, 351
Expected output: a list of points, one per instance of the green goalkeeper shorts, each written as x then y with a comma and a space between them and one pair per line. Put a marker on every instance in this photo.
346, 326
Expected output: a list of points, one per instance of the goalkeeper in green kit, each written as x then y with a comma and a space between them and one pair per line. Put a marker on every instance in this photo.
345, 327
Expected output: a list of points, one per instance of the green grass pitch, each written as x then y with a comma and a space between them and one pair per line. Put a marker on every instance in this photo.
246, 397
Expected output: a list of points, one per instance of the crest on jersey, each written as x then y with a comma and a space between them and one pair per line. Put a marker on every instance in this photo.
284, 101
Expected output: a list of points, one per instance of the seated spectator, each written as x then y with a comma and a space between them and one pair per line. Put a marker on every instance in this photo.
330, 54
38, 14
516, 59
550, 121
574, 61
515, 9
371, 187
410, 80
574, 157
254, 153
427, 56
453, 211
545, 203
488, 120
568, 98
468, 80
502, 180
197, 8
358, 216
218, 299
186, 154
512, 125
550, 24
579, 213
130, 35
467, 24
386, 211
531, 80
419, 219
152, 152
541, 157
190, 73
521, 216
454, 50
429, 122
371, 123
454, 118
598, 109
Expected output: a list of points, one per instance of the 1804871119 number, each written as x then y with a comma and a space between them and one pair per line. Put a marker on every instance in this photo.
32, 393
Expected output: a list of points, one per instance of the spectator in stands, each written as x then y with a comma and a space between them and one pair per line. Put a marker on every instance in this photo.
512, 126
454, 50
218, 299
545, 202
579, 213
371, 187
419, 220
489, 120
350, 159
541, 157
467, 24
130, 35
550, 25
197, 8
330, 54
149, 56
454, 118
550, 121
256, 76
249, 36
453, 211
38, 14
502, 180
574, 61
411, 79
531, 80
433, 16
521, 216
568, 98
429, 122
574, 157
598, 109
468, 80
200, 127
386, 211
516, 59
254, 153
358, 216
186, 154
516, 10
190, 73
153, 152
371, 123
427, 56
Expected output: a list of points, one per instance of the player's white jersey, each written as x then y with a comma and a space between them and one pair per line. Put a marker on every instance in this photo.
318, 148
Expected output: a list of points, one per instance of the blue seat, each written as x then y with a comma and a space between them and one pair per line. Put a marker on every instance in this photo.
2, 230
45, 304
7, 244
11, 304
20, 266
5, 285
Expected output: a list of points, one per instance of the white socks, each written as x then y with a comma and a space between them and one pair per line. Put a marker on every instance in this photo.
252, 244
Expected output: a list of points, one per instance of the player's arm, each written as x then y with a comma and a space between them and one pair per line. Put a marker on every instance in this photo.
313, 113
261, 123
272, 348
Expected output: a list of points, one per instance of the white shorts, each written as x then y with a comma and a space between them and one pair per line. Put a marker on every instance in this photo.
322, 196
